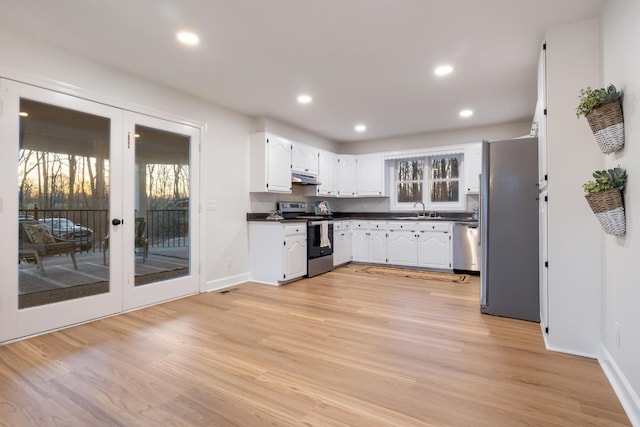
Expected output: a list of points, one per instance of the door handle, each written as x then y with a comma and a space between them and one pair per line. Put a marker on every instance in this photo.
116, 221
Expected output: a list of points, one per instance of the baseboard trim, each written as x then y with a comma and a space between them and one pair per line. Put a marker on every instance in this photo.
621, 386
572, 352
225, 282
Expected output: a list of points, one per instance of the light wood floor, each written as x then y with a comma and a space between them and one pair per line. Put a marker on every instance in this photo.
343, 349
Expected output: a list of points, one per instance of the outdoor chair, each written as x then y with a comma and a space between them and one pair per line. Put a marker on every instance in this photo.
37, 242
141, 241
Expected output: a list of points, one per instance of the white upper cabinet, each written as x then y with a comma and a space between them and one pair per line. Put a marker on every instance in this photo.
270, 164
472, 167
304, 159
327, 174
370, 175
347, 185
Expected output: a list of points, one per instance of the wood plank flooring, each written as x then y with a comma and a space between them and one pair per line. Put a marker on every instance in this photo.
347, 348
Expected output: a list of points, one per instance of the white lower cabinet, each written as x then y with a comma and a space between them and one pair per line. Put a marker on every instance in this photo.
277, 251
420, 244
341, 242
434, 245
402, 244
369, 241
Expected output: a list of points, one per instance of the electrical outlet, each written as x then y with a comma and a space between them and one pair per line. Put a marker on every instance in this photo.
227, 262
616, 327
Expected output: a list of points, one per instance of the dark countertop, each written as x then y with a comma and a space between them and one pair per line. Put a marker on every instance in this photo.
376, 216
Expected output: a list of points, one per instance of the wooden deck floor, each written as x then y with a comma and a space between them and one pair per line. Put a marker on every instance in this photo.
346, 348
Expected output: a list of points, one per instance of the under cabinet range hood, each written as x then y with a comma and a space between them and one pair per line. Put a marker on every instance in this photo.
302, 179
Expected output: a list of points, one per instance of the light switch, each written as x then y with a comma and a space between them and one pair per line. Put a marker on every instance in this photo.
212, 205
0, 205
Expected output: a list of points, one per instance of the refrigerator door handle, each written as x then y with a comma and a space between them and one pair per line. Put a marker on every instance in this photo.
484, 226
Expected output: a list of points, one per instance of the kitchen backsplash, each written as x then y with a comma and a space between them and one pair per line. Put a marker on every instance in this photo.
266, 202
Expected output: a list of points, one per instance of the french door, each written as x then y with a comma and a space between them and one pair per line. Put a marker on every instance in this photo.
102, 219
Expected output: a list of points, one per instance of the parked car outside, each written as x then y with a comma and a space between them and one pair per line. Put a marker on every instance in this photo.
66, 229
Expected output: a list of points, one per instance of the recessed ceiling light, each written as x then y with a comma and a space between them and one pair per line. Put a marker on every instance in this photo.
443, 70
188, 38
304, 99
360, 128
23, 114
466, 113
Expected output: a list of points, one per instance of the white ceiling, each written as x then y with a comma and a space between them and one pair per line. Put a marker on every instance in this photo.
363, 61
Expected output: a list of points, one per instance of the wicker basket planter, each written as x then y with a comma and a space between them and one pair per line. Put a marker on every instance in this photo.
607, 124
609, 210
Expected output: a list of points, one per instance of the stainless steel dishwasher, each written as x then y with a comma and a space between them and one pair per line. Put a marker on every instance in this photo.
466, 246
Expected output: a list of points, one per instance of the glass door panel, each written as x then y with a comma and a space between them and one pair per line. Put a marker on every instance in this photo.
164, 232
63, 196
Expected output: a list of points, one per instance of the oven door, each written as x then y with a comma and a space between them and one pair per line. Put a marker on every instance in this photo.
316, 246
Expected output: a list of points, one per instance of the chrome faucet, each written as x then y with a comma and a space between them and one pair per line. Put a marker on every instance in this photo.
424, 212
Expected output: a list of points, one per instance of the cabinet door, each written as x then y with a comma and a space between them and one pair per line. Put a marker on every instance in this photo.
298, 157
327, 174
311, 160
295, 257
346, 248
278, 164
346, 175
472, 167
378, 246
434, 249
402, 247
370, 173
360, 245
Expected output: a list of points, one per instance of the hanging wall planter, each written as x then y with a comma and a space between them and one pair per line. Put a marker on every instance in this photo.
603, 111
604, 195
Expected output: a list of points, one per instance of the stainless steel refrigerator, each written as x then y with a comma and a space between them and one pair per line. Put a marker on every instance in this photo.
509, 229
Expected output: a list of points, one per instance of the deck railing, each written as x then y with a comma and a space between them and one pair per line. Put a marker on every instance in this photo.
165, 227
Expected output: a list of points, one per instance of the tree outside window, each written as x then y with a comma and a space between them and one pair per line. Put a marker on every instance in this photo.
439, 174
445, 179
409, 180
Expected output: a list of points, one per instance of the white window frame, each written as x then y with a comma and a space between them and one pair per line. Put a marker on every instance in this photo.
460, 205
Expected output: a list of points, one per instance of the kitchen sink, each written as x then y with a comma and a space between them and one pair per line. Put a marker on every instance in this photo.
419, 218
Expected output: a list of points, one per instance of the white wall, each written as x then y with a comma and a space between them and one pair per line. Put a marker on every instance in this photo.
435, 139
224, 153
621, 296
574, 235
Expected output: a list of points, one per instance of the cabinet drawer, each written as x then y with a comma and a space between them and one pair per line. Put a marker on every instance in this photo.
294, 229
364, 225
377, 225
402, 226
434, 226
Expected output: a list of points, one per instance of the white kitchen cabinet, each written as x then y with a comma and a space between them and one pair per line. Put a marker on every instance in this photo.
347, 175
295, 256
402, 244
434, 245
304, 159
327, 174
270, 164
472, 167
277, 251
341, 242
370, 175
369, 242
360, 241
377, 246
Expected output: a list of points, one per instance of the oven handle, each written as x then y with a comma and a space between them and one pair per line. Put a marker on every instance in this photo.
319, 222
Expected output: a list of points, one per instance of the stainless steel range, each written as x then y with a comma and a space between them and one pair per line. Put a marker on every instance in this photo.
319, 236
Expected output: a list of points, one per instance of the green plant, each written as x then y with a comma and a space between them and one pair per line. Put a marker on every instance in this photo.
606, 180
591, 99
